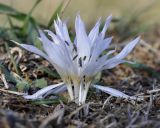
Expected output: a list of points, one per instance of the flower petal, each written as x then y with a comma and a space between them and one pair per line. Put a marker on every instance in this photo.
57, 62
113, 63
83, 44
94, 67
111, 91
57, 40
58, 28
61, 30
99, 47
47, 44
94, 32
118, 59
52, 35
39, 94
127, 49
35, 50
108, 20
57, 51
102, 60
116, 93
65, 33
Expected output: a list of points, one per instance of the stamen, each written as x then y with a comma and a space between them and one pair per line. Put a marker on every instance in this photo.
84, 77
74, 47
80, 62
75, 57
66, 42
84, 58
100, 56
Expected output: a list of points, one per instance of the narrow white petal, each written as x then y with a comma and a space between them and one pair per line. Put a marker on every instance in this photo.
96, 66
57, 90
63, 54
105, 44
58, 19
57, 40
91, 69
102, 60
57, 51
99, 46
83, 44
113, 63
47, 44
116, 93
127, 49
35, 50
94, 32
39, 94
65, 33
75, 41
56, 61
53, 36
59, 29
108, 20
111, 91
118, 59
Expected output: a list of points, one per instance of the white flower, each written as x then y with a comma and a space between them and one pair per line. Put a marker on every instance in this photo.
78, 62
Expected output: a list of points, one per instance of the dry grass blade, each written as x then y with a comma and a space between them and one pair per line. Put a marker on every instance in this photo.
148, 93
78, 110
2, 76
55, 119
106, 101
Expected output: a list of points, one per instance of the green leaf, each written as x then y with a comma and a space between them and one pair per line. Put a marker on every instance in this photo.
7, 73
49, 101
3, 33
45, 101
31, 11
11, 35
8, 10
31, 31
22, 86
4, 9
54, 16
29, 22
40, 83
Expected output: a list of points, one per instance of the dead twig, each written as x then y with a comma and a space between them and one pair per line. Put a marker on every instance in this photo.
2, 76
148, 92
134, 116
12, 92
149, 108
106, 101
78, 123
77, 110
55, 119
112, 125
